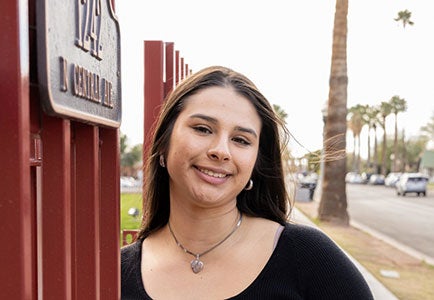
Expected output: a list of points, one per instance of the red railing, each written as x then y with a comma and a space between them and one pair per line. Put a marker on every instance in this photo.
160, 80
59, 193
163, 69
60, 189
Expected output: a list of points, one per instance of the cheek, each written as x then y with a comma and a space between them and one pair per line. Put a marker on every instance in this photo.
248, 161
180, 152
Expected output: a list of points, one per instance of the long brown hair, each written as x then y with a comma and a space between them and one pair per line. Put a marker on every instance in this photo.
268, 198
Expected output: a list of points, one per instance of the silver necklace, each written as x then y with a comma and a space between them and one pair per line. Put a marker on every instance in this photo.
196, 264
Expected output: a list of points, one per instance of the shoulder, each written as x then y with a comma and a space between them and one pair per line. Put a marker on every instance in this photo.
322, 265
130, 251
310, 244
305, 235
130, 259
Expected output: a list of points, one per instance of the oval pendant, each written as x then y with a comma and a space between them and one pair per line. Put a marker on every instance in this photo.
196, 265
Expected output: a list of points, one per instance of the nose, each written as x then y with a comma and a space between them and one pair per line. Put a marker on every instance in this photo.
219, 150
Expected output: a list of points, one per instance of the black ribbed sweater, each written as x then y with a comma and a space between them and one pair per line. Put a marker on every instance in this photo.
305, 264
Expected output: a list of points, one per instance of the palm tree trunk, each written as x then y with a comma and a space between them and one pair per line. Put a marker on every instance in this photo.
369, 147
333, 203
395, 145
404, 153
384, 161
358, 154
375, 150
354, 153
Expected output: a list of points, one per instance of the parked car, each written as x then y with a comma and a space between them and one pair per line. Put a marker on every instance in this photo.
353, 177
366, 177
412, 183
309, 181
376, 179
392, 178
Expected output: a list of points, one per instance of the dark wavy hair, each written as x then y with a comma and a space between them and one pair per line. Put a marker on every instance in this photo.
268, 198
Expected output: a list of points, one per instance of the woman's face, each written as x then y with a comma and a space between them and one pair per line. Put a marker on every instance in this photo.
213, 148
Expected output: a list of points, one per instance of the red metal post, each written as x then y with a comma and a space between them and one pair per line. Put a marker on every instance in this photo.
87, 206
177, 76
17, 269
55, 210
110, 214
182, 68
168, 85
153, 86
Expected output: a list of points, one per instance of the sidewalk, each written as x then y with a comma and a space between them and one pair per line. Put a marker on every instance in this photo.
379, 291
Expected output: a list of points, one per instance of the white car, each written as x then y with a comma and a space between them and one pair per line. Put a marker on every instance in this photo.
392, 178
411, 183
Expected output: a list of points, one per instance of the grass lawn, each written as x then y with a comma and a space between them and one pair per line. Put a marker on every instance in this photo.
130, 201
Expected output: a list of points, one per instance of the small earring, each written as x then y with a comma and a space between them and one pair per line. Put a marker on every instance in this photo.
249, 185
162, 164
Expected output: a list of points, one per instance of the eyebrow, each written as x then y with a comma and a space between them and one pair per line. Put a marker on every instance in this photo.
215, 121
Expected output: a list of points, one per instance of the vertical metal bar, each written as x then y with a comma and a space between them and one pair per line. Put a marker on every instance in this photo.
177, 76
168, 85
17, 268
74, 232
35, 151
87, 205
55, 210
182, 68
153, 85
110, 214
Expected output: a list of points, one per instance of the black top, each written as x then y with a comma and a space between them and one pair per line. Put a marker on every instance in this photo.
305, 264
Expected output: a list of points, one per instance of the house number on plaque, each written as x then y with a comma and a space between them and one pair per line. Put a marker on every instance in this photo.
88, 29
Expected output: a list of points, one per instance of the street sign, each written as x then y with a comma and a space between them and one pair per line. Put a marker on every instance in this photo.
79, 63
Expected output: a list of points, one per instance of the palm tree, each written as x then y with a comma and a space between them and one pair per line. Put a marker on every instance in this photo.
428, 129
280, 112
286, 155
397, 105
356, 124
404, 17
375, 158
371, 118
385, 110
123, 142
333, 203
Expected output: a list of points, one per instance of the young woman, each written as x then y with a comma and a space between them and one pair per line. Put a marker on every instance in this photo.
216, 209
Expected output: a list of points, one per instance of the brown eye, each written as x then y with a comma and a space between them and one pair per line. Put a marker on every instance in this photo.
202, 129
241, 141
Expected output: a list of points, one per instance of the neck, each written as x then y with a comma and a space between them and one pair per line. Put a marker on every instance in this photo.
200, 230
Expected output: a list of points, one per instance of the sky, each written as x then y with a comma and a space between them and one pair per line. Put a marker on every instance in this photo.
284, 47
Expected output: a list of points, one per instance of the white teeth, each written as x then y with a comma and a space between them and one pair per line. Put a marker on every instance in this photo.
211, 173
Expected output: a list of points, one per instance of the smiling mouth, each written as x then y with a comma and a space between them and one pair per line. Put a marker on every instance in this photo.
212, 174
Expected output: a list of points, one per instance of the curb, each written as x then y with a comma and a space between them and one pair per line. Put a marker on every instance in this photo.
394, 243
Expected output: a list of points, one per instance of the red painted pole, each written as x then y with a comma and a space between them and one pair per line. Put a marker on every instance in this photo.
87, 206
110, 214
55, 210
168, 85
182, 68
153, 86
17, 272
177, 62
186, 70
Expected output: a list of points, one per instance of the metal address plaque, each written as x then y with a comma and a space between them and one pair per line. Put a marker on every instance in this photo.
79, 64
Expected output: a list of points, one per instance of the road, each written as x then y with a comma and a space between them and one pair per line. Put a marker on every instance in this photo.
408, 220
